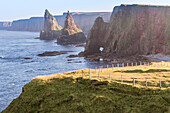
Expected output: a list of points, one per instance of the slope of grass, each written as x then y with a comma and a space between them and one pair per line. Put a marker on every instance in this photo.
68, 95
74, 92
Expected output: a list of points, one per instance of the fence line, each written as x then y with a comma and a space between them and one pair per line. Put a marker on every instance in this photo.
122, 66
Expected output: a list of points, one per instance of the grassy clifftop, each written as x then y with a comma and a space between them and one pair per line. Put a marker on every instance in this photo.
74, 92
68, 95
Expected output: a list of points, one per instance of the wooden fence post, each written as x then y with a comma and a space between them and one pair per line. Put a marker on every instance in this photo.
82, 73
117, 66
133, 81
160, 84
99, 75
123, 65
146, 83
109, 76
122, 78
101, 68
95, 70
90, 73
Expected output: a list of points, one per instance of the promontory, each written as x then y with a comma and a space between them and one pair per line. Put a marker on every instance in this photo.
132, 30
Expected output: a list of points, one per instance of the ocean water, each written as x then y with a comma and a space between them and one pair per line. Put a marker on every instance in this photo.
15, 71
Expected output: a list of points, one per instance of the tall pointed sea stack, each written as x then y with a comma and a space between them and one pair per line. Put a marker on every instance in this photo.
71, 33
51, 28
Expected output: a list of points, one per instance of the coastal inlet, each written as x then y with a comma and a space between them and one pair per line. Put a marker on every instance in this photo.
20, 63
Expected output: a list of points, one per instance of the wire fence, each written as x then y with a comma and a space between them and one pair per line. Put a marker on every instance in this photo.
109, 73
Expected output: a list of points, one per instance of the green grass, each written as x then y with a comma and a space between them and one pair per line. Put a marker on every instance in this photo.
147, 71
68, 95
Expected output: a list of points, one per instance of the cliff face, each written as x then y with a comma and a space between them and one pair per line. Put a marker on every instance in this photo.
133, 30
71, 33
51, 27
35, 24
5, 25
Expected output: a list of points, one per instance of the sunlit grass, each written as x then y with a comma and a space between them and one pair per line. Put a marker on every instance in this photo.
153, 72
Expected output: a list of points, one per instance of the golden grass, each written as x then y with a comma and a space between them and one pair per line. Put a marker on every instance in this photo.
116, 73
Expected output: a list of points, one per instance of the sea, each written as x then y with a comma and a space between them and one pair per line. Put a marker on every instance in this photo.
19, 62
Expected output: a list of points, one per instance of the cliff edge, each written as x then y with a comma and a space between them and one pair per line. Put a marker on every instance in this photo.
132, 30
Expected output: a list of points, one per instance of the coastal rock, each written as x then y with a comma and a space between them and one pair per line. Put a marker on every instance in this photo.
81, 45
51, 27
95, 38
71, 33
133, 30
26, 58
72, 56
53, 53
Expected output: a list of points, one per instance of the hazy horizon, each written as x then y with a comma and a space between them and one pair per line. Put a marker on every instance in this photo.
19, 9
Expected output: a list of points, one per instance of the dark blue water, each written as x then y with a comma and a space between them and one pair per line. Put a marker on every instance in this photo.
15, 71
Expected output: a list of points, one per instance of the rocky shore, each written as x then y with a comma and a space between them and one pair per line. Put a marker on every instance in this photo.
53, 53
114, 58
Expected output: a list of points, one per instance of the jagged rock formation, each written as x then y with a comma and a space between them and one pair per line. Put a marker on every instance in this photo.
71, 33
35, 24
133, 30
51, 27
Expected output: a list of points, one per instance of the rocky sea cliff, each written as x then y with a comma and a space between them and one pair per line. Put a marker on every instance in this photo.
132, 30
35, 24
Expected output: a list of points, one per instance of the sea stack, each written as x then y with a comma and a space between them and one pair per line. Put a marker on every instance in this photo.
51, 28
71, 33
132, 30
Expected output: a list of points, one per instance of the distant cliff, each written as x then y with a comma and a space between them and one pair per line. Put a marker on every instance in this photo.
132, 30
84, 19
5, 25
34, 24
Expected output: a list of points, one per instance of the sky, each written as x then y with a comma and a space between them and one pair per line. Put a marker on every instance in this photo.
22, 9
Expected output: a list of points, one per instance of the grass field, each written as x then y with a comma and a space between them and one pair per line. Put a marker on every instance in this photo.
153, 72
74, 92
